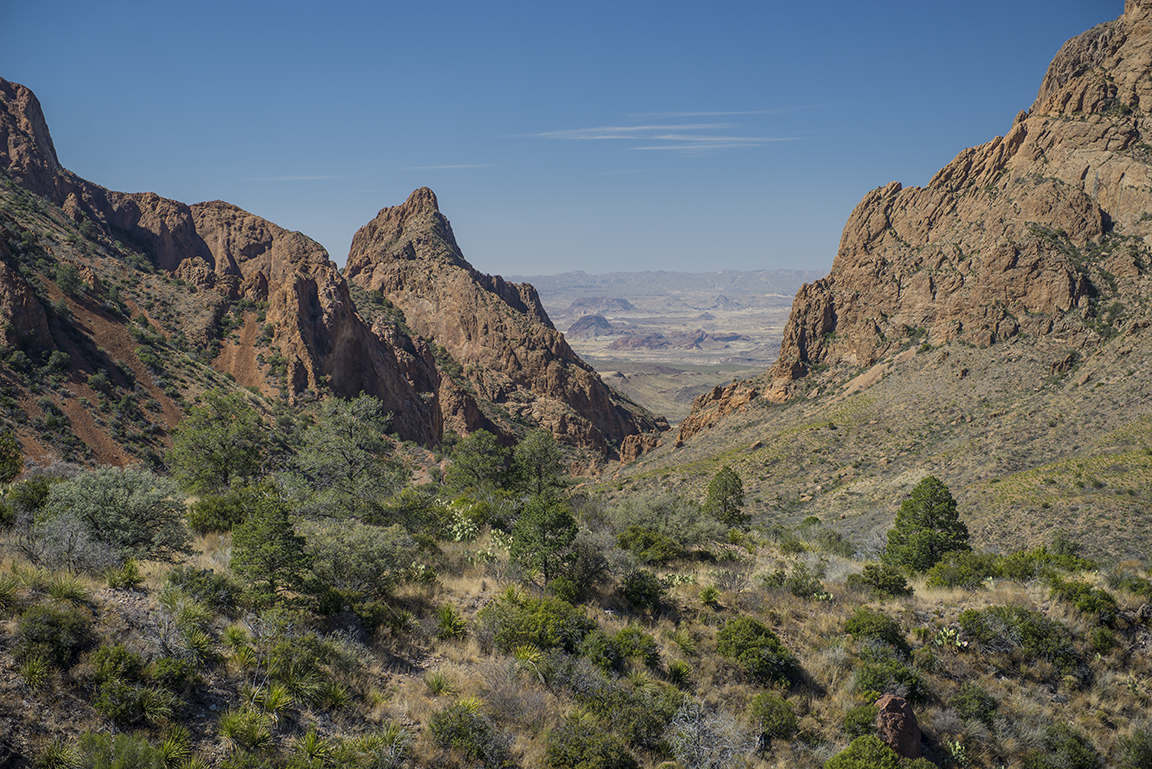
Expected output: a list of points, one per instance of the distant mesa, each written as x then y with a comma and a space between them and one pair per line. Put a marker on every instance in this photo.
590, 327
689, 340
724, 303
705, 316
599, 305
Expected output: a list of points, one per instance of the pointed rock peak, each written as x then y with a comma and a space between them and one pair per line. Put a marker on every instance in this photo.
422, 199
26, 150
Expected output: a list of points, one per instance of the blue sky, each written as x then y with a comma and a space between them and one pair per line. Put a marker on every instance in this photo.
557, 136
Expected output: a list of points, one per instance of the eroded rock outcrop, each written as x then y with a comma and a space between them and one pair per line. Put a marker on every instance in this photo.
23, 322
896, 726
218, 247
1005, 239
497, 331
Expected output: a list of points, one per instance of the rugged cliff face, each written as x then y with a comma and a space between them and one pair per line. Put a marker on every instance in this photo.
1025, 235
497, 331
295, 324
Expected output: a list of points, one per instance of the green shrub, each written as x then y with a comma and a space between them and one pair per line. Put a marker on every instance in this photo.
634, 643
649, 546
1137, 749
138, 514
1064, 749
462, 727
867, 752
111, 662
964, 569
53, 633
512, 620
860, 720
172, 674
680, 520
642, 589
803, 583
757, 650
890, 677
219, 512
218, 592
1026, 565
1093, 602
123, 751
581, 743
975, 704
602, 651
867, 624
357, 558
883, 579
1022, 631
773, 716
639, 715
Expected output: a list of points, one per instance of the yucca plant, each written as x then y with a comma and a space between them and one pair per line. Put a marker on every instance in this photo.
234, 637
125, 576
276, 701
176, 747
449, 622
36, 672
8, 599
685, 641
679, 672
57, 754
245, 728
313, 747
331, 695
157, 706
66, 588
390, 746
245, 657
439, 683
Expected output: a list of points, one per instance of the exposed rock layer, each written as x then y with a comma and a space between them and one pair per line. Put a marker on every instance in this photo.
497, 331
1002, 241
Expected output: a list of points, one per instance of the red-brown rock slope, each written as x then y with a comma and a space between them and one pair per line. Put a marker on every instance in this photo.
1011, 238
497, 331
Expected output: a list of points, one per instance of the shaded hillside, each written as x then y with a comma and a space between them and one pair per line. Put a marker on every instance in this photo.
210, 287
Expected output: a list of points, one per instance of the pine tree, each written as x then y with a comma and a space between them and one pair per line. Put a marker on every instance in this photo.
542, 537
927, 528
267, 550
725, 500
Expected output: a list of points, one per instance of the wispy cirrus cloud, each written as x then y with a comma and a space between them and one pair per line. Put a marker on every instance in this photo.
672, 136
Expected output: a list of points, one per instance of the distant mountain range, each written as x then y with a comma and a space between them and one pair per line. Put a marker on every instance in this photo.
659, 282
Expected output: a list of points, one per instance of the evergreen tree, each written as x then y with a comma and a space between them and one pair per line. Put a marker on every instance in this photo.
542, 537
344, 467
11, 458
725, 500
927, 528
537, 463
266, 549
479, 463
